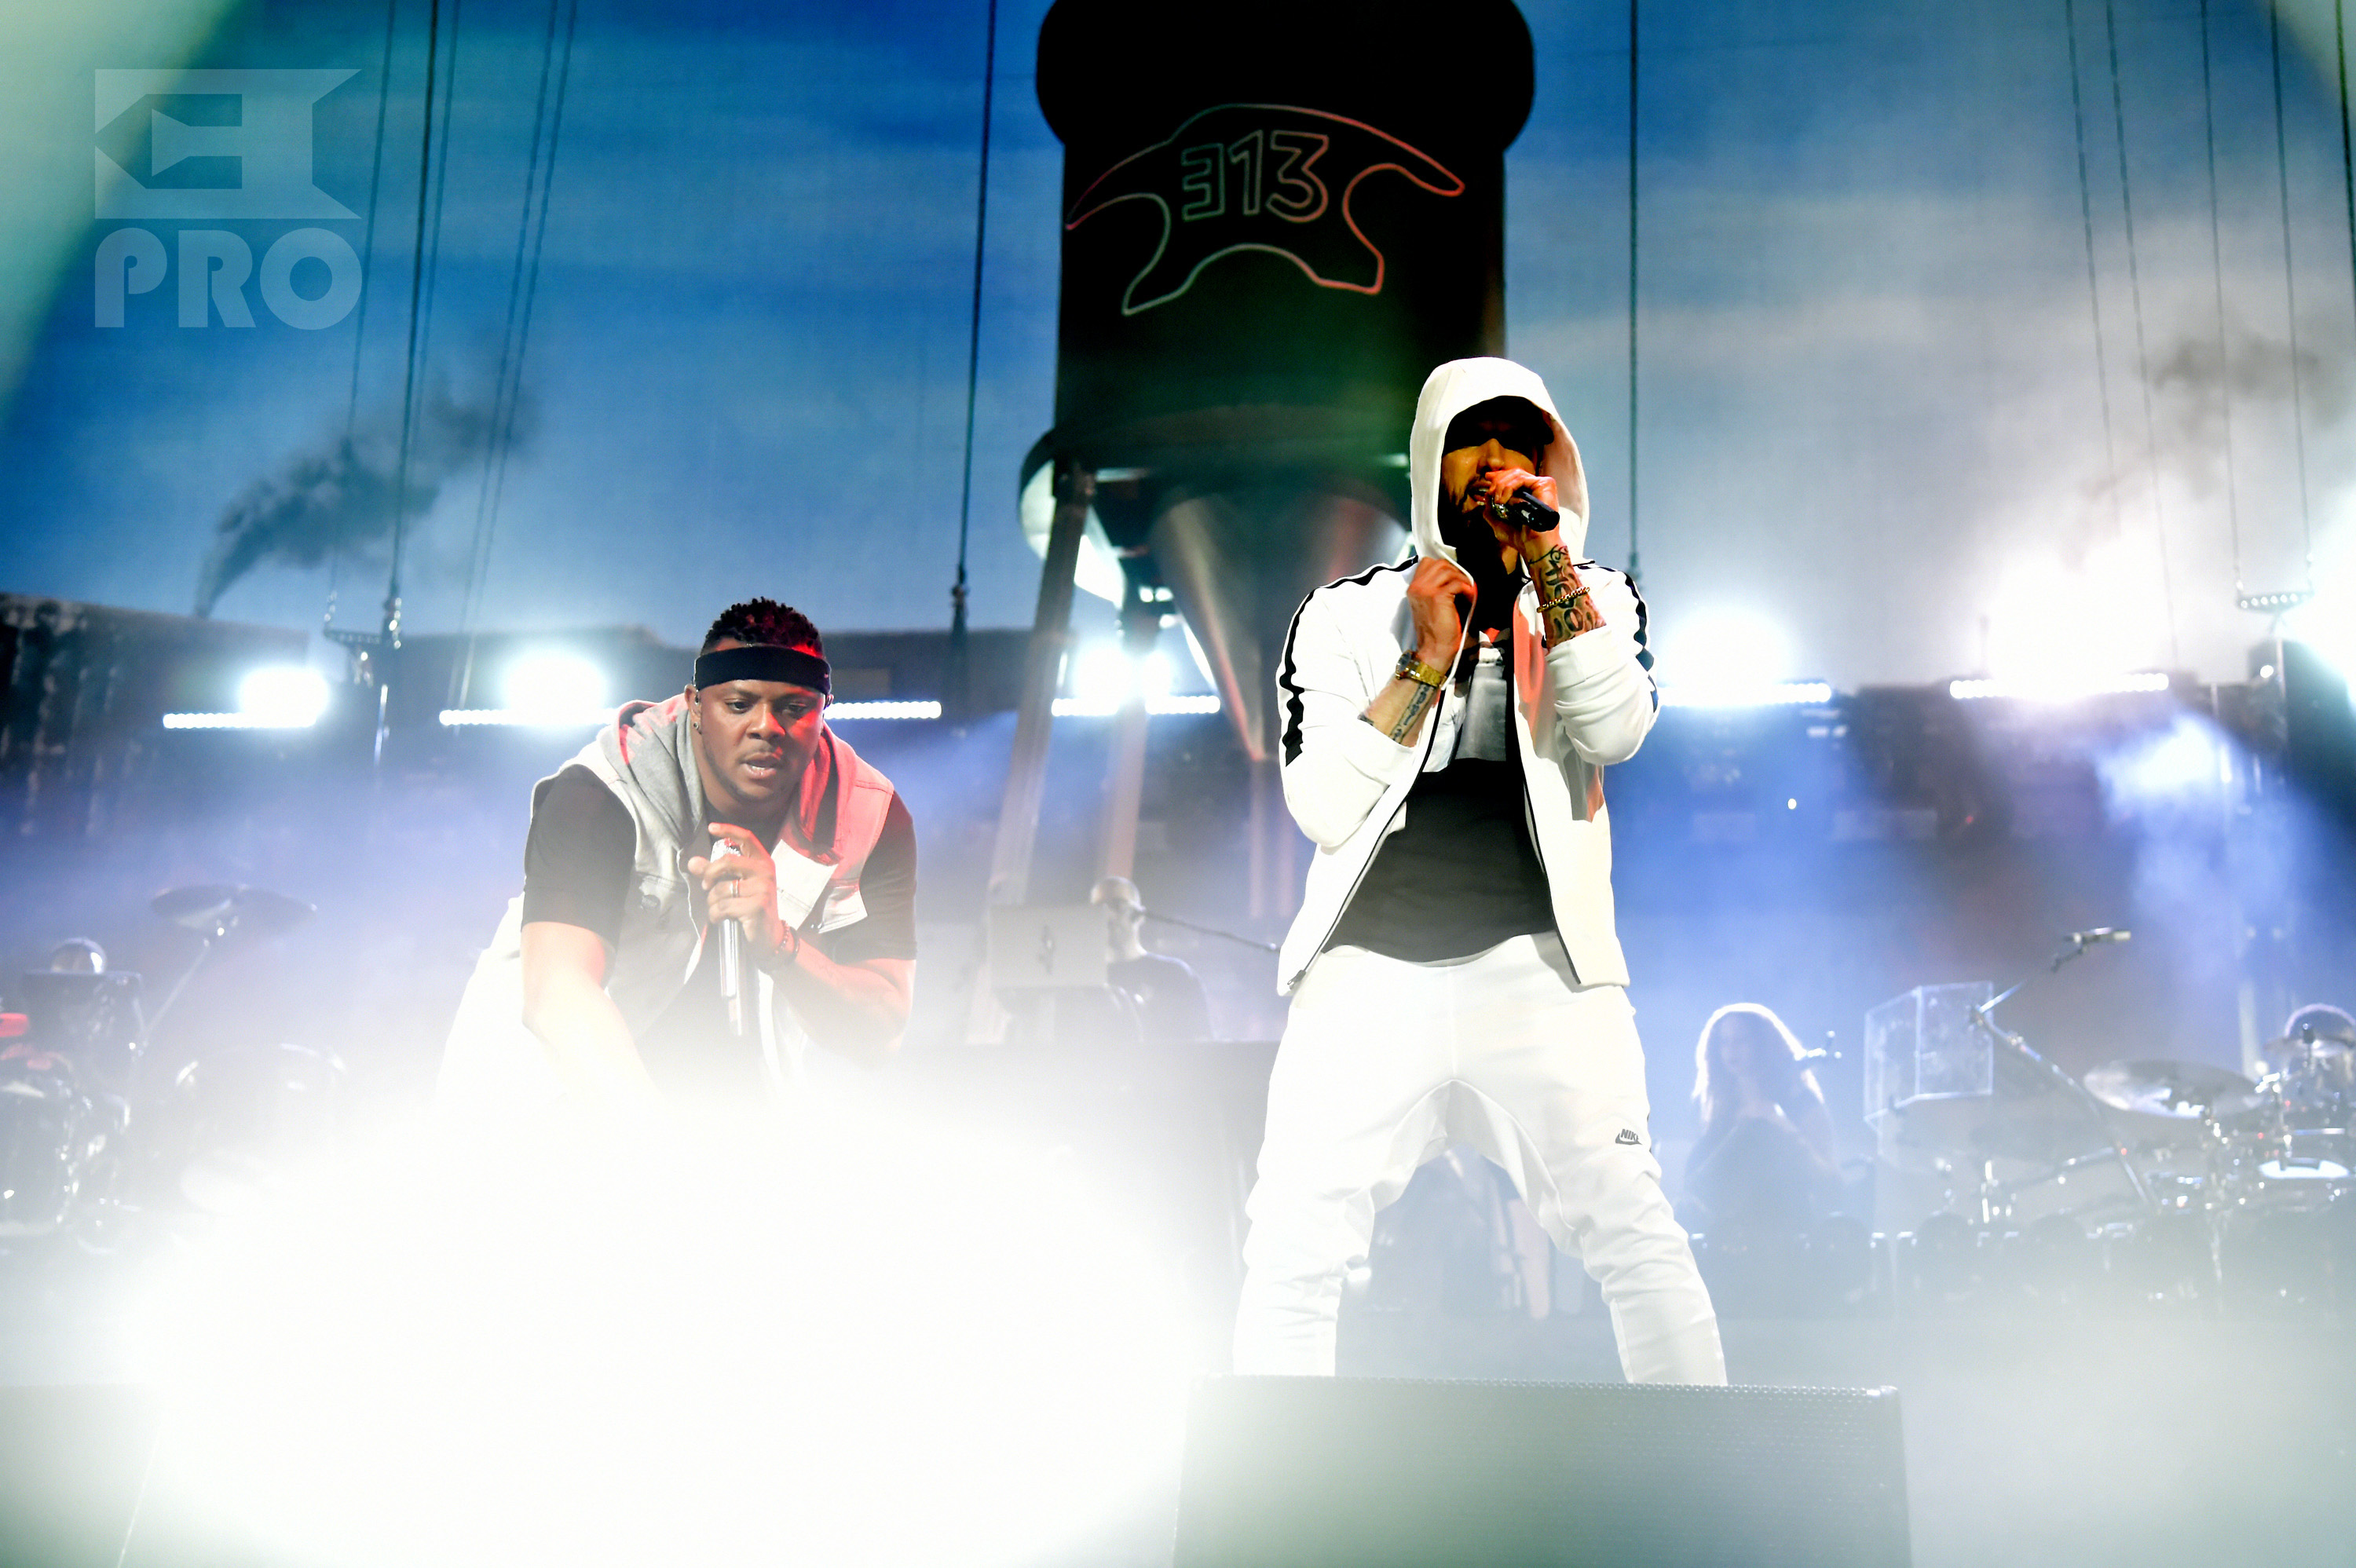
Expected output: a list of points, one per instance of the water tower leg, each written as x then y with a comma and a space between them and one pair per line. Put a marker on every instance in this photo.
1051, 634
1276, 842
1124, 791
1140, 628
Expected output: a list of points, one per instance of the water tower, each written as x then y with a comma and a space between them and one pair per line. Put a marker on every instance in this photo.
1276, 219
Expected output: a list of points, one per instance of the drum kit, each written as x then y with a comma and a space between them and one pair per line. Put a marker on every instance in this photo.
2267, 1165
96, 1129
2149, 1179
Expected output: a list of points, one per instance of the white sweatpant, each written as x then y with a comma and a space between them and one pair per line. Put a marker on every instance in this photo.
1384, 1063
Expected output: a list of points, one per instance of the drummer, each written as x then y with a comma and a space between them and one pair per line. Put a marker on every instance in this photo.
2315, 1055
2319, 1023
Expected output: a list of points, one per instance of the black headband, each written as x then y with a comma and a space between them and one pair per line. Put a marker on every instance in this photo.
763, 662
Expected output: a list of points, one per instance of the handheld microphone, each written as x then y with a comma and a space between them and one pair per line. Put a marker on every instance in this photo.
1523, 511
732, 959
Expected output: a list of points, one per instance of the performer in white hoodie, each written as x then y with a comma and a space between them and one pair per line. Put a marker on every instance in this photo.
1455, 971
602, 985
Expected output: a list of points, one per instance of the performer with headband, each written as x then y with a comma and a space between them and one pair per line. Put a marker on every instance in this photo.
609, 983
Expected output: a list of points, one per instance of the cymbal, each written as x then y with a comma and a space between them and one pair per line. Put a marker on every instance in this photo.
221, 911
2180, 1091
2280, 1053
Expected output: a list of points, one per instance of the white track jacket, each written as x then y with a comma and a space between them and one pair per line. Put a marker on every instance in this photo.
1587, 704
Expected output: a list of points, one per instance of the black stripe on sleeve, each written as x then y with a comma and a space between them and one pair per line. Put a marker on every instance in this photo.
1643, 619
1285, 682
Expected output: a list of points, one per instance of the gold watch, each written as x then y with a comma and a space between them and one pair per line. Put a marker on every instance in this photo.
1415, 669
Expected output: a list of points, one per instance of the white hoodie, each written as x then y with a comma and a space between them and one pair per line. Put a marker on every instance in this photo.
1588, 703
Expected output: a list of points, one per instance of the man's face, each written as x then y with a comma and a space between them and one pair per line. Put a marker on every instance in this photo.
1504, 432
754, 737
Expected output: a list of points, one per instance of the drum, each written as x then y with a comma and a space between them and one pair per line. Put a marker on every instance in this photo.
56, 1141
2291, 1243
241, 1118
2308, 1154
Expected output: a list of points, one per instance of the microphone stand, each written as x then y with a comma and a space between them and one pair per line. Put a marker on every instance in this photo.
1210, 930
1983, 1014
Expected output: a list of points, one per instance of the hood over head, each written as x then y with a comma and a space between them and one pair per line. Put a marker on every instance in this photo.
1449, 391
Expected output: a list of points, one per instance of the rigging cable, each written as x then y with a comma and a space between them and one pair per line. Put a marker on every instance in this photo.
1634, 563
441, 190
2347, 175
2291, 301
2217, 273
957, 672
2093, 287
2143, 361
359, 323
523, 283
409, 372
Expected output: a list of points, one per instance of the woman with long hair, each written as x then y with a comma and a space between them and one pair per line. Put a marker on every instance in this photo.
1764, 1162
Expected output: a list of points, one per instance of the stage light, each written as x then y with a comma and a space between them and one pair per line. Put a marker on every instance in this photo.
1105, 675
1731, 657
525, 717
2059, 630
1761, 694
2058, 687
275, 697
555, 687
546, 689
1177, 704
835, 710
705, 1349
283, 697
2326, 623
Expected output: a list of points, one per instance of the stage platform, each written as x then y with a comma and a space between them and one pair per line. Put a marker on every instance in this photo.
2032, 1440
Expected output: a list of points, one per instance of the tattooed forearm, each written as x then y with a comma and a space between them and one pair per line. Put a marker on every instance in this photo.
1419, 697
1563, 601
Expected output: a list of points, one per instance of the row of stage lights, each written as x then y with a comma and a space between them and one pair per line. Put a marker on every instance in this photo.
554, 690
563, 691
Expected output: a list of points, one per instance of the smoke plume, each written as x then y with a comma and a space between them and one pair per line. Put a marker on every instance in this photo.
342, 499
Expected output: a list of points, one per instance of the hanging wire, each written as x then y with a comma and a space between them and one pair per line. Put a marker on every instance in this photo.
1635, 566
523, 283
368, 258
409, 370
441, 190
2093, 287
957, 666
2217, 273
2346, 176
974, 365
2290, 302
973, 332
2143, 361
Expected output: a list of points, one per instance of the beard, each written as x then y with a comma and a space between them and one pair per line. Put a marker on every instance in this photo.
1479, 553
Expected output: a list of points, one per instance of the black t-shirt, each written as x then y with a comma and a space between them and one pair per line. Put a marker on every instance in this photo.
1458, 878
1461, 875
577, 864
